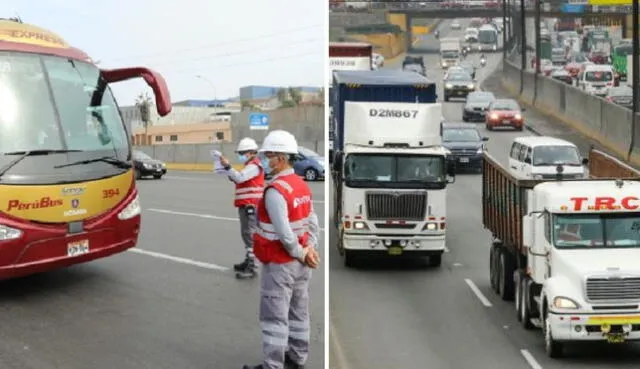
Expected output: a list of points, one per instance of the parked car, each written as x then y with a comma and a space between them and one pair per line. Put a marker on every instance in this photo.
309, 164
146, 166
465, 143
476, 106
621, 95
505, 113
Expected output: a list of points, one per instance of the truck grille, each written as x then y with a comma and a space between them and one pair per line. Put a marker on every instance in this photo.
398, 205
599, 289
463, 152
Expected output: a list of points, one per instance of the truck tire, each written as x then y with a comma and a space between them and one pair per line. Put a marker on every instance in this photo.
525, 305
349, 258
506, 276
493, 280
553, 348
435, 260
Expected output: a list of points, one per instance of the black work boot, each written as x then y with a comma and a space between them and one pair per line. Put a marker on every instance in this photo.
249, 271
290, 364
241, 266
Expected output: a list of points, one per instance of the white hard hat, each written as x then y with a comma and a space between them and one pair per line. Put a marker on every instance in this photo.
280, 141
247, 144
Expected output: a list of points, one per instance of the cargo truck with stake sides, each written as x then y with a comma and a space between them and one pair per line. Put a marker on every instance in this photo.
567, 251
390, 171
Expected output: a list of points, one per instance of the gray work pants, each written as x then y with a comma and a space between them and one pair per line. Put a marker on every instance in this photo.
284, 313
248, 223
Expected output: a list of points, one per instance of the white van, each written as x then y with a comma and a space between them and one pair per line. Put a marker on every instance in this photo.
538, 157
596, 79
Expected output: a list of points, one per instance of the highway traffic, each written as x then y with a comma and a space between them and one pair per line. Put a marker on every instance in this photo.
171, 302
399, 314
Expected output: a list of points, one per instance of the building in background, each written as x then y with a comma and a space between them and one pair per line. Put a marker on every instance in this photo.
194, 133
251, 93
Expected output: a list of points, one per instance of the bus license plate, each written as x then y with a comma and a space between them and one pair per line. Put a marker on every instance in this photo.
464, 160
395, 251
77, 248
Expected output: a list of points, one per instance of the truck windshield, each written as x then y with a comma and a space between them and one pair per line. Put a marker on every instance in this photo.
555, 155
596, 230
450, 54
487, 36
598, 76
394, 171
53, 103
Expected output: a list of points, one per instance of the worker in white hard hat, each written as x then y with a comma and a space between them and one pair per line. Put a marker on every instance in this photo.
286, 244
249, 188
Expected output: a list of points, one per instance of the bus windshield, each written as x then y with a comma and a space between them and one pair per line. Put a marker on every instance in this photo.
486, 36
53, 103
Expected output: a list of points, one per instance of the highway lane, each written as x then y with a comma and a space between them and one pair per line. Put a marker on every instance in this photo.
172, 303
398, 314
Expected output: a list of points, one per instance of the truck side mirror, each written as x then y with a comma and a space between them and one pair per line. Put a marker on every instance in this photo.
527, 160
585, 161
451, 171
337, 162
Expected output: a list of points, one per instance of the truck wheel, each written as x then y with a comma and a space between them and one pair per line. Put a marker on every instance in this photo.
435, 260
553, 348
349, 258
525, 301
506, 277
493, 278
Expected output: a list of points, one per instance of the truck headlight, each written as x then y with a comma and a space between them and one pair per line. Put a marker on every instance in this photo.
131, 210
562, 302
8, 233
448, 85
360, 225
471, 86
537, 176
479, 151
430, 227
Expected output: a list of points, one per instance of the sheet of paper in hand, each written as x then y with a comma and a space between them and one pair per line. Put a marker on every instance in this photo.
217, 166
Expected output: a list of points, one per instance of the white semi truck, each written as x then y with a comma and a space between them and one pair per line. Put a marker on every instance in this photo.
450, 50
392, 196
567, 251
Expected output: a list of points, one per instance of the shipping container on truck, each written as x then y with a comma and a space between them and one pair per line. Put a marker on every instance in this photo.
346, 56
566, 250
376, 86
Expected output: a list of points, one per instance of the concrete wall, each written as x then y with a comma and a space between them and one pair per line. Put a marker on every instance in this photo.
305, 122
604, 122
351, 19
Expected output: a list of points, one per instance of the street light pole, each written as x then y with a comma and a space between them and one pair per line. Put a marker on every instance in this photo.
215, 94
635, 83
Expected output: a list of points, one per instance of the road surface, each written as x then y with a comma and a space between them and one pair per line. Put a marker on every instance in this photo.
401, 315
171, 303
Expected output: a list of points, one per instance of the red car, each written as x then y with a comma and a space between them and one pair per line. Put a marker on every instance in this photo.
504, 113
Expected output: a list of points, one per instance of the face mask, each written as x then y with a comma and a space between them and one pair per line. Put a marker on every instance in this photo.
242, 158
265, 165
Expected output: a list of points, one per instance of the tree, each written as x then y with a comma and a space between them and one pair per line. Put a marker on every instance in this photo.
296, 95
144, 105
282, 95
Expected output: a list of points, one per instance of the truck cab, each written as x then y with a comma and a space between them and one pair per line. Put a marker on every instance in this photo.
391, 182
449, 52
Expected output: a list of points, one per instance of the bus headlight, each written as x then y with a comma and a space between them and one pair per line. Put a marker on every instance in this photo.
131, 210
8, 233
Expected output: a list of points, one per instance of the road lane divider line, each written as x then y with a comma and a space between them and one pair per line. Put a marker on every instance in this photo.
178, 259
198, 215
336, 348
528, 357
476, 291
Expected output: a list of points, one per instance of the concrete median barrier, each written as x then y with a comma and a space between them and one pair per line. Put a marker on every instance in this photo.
608, 124
197, 157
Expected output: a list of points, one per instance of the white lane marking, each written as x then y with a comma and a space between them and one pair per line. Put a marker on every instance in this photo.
533, 363
197, 215
338, 352
177, 259
483, 299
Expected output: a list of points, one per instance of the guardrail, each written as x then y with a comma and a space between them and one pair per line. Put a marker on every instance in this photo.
606, 123
197, 157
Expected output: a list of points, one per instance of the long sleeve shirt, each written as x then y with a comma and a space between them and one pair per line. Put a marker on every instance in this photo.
276, 206
247, 173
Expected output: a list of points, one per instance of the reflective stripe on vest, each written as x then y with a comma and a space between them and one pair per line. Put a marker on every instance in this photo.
250, 192
266, 242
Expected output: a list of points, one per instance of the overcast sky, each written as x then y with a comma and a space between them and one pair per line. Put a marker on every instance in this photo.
230, 43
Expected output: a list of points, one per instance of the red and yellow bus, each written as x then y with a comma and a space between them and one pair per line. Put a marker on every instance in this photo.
67, 188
